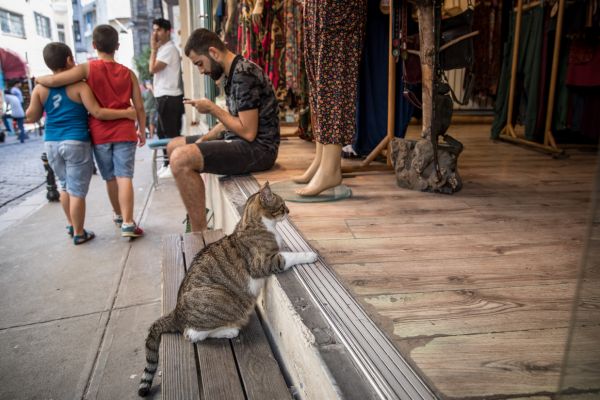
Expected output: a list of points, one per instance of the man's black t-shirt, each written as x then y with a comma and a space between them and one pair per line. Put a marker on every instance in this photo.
248, 87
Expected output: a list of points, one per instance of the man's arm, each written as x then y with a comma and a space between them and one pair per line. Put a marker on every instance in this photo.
36, 109
138, 104
65, 78
213, 134
245, 125
154, 66
91, 104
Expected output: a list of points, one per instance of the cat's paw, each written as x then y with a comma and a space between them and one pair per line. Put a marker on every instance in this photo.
225, 333
310, 257
195, 336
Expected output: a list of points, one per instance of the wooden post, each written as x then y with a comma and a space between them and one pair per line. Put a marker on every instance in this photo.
509, 129
548, 137
427, 48
391, 110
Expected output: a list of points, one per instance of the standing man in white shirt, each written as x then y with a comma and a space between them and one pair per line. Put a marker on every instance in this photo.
165, 64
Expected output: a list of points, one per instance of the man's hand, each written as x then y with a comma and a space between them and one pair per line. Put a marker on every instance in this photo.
154, 45
203, 106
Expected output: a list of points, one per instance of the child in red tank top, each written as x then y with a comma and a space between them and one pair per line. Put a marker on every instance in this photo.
115, 86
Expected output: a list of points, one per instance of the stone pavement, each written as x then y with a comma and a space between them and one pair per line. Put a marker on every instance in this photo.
21, 169
73, 319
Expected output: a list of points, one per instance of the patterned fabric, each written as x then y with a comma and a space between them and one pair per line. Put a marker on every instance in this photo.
248, 88
333, 38
293, 46
250, 34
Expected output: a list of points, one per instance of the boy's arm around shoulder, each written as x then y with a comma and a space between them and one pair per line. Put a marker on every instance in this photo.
64, 78
36, 108
91, 104
138, 104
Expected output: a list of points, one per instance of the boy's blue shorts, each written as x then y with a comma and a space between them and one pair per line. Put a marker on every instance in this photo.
71, 161
115, 159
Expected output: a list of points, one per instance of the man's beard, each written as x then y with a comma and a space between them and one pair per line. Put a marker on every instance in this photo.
216, 70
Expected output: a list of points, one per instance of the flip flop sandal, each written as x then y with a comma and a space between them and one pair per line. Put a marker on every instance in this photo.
70, 230
86, 237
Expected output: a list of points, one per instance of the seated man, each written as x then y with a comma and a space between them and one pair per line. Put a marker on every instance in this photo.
247, 137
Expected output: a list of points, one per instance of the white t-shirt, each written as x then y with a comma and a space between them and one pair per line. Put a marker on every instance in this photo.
166, 81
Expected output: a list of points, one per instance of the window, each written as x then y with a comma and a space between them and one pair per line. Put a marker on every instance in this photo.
42, 26
77, 31
12, 24
89, 21
60, 29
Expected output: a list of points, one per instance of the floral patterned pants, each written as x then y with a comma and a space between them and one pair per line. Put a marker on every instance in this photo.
334, 33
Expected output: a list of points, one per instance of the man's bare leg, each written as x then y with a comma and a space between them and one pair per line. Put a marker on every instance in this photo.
174, 143
186, 164
329, 173
77, 211
113, 195
125, 196
312, 169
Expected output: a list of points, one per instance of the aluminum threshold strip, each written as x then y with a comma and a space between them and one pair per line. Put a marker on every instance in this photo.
387, 371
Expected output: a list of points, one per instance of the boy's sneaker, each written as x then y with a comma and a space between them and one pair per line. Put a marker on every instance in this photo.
164, 172
118, 220
131, 230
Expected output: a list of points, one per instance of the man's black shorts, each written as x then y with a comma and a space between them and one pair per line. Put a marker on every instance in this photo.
233, 157
169, 110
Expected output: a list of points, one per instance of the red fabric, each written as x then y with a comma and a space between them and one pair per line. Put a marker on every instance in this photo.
111, 83
584, 64
13, 65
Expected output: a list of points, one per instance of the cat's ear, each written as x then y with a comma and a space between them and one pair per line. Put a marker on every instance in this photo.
266, 196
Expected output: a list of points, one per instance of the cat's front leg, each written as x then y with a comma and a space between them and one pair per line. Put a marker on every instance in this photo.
302, 257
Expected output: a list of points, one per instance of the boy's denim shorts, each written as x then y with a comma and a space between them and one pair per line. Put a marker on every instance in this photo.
115, 159
72, 163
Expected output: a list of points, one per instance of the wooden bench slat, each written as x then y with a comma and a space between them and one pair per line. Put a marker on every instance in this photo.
218, 372
259, 370
173, 272
193, 242
177, 354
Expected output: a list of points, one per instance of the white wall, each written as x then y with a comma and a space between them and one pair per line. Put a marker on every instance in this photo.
30, 47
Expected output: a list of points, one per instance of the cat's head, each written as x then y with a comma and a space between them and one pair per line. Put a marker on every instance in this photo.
266, 204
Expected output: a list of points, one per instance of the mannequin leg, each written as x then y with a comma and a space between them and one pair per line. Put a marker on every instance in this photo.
312, 169
329, 173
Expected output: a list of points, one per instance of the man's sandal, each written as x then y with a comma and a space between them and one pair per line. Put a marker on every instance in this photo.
70, 230
86, 237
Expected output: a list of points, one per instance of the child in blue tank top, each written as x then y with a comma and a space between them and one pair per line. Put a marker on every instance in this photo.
67, 138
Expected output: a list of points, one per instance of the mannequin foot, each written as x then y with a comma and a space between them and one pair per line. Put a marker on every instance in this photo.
305, 177
319, 183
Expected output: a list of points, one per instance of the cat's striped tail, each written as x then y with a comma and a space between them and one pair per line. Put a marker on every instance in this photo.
166, 324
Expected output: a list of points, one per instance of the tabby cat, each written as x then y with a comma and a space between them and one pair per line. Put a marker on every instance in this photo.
220, 289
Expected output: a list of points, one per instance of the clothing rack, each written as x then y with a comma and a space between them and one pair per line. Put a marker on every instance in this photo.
385, 143
508, 132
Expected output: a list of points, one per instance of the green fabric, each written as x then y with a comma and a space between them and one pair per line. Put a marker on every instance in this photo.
528, 72
286, 189
149, 102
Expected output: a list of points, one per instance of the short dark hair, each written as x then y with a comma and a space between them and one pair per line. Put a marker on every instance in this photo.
56, 55
201, 39
106, 38
162, 23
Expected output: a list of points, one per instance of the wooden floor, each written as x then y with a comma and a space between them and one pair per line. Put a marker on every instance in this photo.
476, 288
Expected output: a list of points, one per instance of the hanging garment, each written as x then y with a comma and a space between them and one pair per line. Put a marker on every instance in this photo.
274, 44
372, 107
250, 34
293, 46
528, 70
333, 39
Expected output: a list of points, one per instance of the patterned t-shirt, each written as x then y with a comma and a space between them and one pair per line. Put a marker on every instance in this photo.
247, 87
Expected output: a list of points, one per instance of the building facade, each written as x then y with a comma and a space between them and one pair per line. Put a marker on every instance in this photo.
27, 26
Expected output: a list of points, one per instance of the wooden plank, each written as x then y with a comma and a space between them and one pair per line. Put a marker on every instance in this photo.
500, 364
193, 242
411, 276
177, 354
258, 368
218, 372
463, 312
